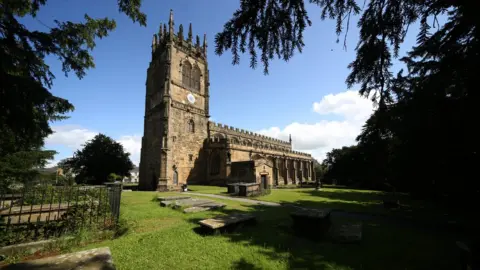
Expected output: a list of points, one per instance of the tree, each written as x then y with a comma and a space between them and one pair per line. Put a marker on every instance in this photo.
99, 158
421, 136
320, 170
276, 27
26, 104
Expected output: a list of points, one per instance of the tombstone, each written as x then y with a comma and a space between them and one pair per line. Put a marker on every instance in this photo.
313, 223
347, 232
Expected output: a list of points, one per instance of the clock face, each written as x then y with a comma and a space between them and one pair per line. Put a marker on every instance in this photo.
191, 98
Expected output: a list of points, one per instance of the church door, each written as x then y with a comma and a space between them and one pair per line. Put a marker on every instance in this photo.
264, 181
175, 177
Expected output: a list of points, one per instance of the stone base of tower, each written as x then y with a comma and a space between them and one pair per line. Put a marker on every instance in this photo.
164, 186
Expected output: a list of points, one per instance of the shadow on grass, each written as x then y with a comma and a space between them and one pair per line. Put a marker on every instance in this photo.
384, 245
243, 264
371, 203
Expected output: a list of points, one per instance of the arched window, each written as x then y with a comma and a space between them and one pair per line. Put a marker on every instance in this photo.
191, 126
215, 165
186, 74
196, 78
175, 177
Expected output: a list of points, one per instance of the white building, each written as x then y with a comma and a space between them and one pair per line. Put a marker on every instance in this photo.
133, 178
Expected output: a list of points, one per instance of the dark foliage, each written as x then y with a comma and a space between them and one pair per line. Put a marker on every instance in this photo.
99, 158
26, 105
421, 137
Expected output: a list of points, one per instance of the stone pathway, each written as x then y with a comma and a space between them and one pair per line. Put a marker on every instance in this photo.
233, 199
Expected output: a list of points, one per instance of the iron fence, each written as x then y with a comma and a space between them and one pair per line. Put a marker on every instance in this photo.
43, 211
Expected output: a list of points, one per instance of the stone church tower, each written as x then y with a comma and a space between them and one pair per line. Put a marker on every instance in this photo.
176, 110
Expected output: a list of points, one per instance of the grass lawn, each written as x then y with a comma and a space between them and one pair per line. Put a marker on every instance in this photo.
352, 200
162, 238
208, 189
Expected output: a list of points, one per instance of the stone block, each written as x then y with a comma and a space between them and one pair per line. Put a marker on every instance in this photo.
202, 208
313, 223
191, 202
173, 198
220, 222
166, 203
94, 259
194, 209
347, 232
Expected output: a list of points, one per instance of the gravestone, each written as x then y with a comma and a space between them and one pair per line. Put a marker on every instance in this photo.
347, 232
190, 202
314, 223
202, 208
173, 198
166, 203
223, 221
94, 259
192, 205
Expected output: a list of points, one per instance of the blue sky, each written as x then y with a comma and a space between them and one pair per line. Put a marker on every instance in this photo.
305, 97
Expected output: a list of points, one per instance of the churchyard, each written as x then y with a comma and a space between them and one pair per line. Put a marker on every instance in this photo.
157, 237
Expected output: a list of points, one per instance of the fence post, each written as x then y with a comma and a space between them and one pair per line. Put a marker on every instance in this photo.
114, 196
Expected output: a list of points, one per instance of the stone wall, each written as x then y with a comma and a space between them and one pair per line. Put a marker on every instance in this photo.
242, 172
240, 136
154, 124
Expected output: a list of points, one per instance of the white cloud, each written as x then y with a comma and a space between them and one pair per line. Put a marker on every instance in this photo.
52, 163
321, 137
348, 104
133, 145
70, 136
73, 137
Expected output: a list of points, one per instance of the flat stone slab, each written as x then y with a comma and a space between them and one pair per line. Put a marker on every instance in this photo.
206, 207
192, 202
347, 233
195, 209
219, 222
173, 198
311, 213
94, 259
166, 203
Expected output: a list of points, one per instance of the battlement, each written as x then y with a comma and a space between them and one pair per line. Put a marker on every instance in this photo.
167, 36
258, 139
245, 133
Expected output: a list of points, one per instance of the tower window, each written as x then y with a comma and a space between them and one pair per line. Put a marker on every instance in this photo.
190, 157
191, 126
196, 78
187, 74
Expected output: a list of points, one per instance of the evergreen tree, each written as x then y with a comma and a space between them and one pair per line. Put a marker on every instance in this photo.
27, 107
421, 137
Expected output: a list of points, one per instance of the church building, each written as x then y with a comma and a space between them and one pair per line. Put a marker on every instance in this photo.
180, 145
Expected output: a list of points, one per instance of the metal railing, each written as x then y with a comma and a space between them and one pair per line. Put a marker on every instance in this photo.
42, 211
